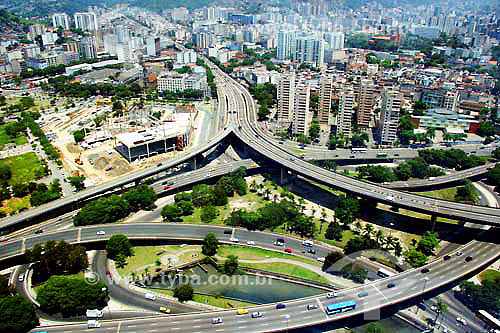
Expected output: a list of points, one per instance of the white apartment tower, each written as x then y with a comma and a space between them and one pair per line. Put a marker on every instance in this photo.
309, 50
285, 43
60, 20
346, 110
389, 118
301, 114
335, 40
285, 96
325, 99
86, 21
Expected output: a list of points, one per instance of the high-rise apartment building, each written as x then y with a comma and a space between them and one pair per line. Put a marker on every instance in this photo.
346, 111
87, 47
441, 98
153, 46
285, 97
367, 95
389, 118
335, 40
201, 40
325, 99
309, 50
285, 43
86, 21
60, 20
301, 114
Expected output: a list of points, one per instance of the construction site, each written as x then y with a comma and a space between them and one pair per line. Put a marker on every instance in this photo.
115, 145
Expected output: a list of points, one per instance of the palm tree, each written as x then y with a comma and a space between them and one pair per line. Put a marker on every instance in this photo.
358, 226
314, 212
389, 242
368, 229
379, 236
398, 249
253, 186
275, 198
441, 309
146, 271
322, 220
267, 193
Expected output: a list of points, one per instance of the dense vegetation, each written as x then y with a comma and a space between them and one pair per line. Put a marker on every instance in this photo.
17, 315
266, 96
485, 296
111, 209
61, 85
71, 296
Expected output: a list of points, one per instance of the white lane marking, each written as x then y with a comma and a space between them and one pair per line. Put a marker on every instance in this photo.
154, 324
175, 328
119, 326
219, 330
153, 330
130, 326
379, 292
197, 326
242, 327
197, 319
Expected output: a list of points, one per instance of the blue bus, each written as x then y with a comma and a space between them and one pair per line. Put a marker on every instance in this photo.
340, 307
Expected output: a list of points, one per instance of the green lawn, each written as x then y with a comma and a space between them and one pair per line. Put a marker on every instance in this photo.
489, 275
4, 138
250, 253
445, 193
145, 255
25, 167
210, 300
285, 268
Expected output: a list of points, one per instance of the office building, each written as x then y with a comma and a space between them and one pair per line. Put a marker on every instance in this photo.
285, 97
309, 50
242, 18
173, 81
301, 114
187, 57
441, 98
325, 99
367, 94
86, 21
60, 20
346, 112
153, 46
389, 118
201, 40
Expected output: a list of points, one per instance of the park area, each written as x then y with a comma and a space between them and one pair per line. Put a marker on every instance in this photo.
24, 168
6, 138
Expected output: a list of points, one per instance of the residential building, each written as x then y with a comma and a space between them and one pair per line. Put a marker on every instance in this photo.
86, 21
242, 18
153, 46
60, 20
335, 40
285, 97
301, 114
309, 50
346, 112
87, 47
325, 99
201, 40
440, 98
187, 57
180, 14
389, 118
367, 94
285, 42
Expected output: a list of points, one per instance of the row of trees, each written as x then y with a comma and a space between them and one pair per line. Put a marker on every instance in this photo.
451, 158
414, 168
62, 86
418, 254
187, 94
266, 95
111, 209
207, 197
29, 118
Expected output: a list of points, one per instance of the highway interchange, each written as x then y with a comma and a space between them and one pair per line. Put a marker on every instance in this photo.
243, 124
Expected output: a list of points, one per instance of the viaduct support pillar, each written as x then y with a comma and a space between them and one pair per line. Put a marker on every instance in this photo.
282, 176
433, 220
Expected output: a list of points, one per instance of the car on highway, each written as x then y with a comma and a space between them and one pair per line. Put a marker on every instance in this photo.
280, 306
279, 242
150, 296
217, 320
390, 198
234, 240
100, 233
21, 278
256, 314
321, 259
164, 309
312, 306
311, 251
307, 243
459, 253
250, 243
425, 270
167, 187
288, 250
241, 311
292, 159
363, 294
446, 257
39, 231
228, 232
461, 321
391, 285
332, 295
469, 258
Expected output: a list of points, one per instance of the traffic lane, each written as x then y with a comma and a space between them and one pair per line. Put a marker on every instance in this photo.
164, 230
10, 248
120, 291
68, 235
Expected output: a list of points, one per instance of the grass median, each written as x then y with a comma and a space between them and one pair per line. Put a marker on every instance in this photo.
288, 269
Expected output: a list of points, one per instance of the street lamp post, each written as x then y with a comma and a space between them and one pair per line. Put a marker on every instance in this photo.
287, 317
423, 288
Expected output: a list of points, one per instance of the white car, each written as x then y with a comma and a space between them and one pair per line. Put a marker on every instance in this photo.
250, 243
390, 198
459, 253
100, 233
332, 295
321, 259
21, 278
461, 321
234, 240
150, 296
